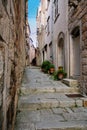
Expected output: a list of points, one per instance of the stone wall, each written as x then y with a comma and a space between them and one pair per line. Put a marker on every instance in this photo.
78, 17
12, 58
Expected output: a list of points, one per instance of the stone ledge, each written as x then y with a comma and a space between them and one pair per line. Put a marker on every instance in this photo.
70, 82
51, 125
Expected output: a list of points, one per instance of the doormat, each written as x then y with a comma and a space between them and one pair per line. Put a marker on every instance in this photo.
74, 95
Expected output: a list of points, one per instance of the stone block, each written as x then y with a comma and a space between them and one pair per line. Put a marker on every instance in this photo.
85, 102
79, 103
68, 103
71, 82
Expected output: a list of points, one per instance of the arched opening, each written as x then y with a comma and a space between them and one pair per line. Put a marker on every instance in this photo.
45, 52
51, 52
61, 51
43, 56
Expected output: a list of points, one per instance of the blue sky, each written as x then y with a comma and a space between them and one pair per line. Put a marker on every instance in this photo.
32, 11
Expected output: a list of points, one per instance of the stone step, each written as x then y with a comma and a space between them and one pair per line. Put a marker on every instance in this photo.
52, 119
31, 90
48, 100
53, 125
71, 82
34, 67
62, 125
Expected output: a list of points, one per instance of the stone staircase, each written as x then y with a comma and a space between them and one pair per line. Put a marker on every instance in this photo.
40, 99
47, 106
50, 89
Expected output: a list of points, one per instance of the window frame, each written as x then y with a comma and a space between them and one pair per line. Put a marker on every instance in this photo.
48, 25
56, 10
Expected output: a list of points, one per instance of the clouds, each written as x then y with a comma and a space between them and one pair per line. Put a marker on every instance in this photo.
32, 23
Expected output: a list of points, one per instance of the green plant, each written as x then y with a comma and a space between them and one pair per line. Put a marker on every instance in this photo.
52, 66
51, 69
60, 74
45, 66
55, 77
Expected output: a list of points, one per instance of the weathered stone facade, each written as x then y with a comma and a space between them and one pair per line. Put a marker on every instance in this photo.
78, 19
27, 33
65, 39
12, 58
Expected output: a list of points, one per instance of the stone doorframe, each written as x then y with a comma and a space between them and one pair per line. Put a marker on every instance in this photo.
61, 37
74, 32
44, 53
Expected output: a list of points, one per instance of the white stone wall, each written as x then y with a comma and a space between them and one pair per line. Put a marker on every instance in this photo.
61, 26
41, 26
55, 28
49, 14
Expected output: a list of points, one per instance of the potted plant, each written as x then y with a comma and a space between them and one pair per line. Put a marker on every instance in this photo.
60, 68
60, 74
45, 66
52, 68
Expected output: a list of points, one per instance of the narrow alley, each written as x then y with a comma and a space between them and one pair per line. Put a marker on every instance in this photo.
43, 40
44, 105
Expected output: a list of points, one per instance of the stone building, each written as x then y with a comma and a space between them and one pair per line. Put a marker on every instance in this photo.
31, 51
63, 38
28, 31
60, 34
41, 30
54, 45
78, 41
12, 58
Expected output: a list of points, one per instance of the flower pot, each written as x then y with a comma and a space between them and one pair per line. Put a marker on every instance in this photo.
60, 68
52, 70
60, 76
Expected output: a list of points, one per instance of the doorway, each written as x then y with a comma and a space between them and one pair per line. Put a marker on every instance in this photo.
61, 57
76, 52
51, 52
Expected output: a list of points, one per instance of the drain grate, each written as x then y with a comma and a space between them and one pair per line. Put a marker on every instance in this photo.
74, 95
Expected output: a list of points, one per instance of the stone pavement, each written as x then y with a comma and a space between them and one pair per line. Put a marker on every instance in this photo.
44, 105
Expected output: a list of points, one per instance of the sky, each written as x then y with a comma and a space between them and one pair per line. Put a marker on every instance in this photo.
32, 12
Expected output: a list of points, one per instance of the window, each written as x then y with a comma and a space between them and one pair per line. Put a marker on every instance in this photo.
56, 14
37, 31
51, 52
48, 25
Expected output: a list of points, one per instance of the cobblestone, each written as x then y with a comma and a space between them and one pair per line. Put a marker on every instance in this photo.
48, 110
